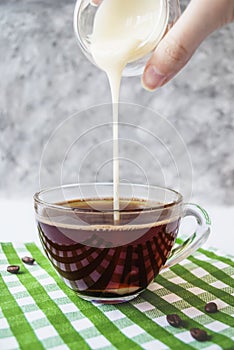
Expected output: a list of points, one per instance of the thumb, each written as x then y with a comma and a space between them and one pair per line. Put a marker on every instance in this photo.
178, 45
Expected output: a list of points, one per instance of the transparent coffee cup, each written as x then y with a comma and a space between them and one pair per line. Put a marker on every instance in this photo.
108, 262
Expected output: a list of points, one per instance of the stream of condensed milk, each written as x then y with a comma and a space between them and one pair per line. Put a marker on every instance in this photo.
123, 32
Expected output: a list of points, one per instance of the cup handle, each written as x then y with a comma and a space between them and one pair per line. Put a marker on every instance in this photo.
196, 240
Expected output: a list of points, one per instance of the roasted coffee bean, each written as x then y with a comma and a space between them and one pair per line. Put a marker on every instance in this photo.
199, 334
174, 320
211, 308
28, 260
13, 269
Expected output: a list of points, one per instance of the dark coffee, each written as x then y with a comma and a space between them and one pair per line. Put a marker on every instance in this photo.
102, 259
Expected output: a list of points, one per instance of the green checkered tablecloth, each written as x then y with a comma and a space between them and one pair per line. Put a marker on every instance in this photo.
39, 312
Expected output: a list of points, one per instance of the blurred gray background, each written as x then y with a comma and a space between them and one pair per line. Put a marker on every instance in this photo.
45, 79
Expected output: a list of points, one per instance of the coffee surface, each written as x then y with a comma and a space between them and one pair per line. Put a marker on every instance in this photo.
106, 204
99, 212
100, 259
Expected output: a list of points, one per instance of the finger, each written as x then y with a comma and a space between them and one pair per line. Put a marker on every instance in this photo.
96, 2
176, 48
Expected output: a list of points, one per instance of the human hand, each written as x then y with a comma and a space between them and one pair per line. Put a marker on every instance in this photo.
199, 20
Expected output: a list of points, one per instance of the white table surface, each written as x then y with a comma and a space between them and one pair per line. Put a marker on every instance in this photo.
17, 225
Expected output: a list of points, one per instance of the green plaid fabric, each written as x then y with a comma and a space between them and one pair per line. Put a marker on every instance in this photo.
39, 312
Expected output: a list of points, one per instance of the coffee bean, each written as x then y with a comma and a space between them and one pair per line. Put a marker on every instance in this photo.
199, 334
13, 269
28, 260
174, 320
211, 308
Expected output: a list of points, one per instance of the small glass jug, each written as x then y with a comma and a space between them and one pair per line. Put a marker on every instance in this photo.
84, 16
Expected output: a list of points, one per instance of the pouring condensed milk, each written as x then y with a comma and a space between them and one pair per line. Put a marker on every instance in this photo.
117, 34
108, 257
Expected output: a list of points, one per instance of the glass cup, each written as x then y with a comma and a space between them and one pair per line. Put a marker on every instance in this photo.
107, 261
83, 22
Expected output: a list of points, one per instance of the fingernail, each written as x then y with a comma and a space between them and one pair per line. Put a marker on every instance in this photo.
152, 78
93, 3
